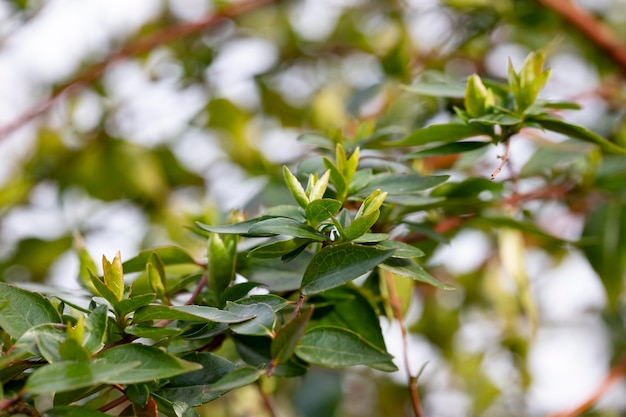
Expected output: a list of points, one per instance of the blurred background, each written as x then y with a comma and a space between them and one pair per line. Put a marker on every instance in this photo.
190, 129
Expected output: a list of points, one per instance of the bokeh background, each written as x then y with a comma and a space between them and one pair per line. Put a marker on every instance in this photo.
190, 129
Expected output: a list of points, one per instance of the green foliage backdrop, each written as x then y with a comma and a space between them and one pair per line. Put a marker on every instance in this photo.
289, 181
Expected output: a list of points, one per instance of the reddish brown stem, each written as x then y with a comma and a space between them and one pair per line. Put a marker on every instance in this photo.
616, 373
504, 157
592, 28
139, 47
198, 290
394, 301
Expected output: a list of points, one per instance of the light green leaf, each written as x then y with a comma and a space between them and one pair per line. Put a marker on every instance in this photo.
444, 133
295, 188
46, 337
447, 149
398, 184
20, 310
578, 132
493, 119
169, 255
114, 276
335, 265
336, 347
128, 305
287, 227
189, 313
409, 269
437, 89
95, 329
361, 225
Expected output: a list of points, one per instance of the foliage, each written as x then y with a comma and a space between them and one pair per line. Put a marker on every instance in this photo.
339, 242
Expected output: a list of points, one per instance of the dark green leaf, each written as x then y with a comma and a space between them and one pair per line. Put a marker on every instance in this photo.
285, 226
138, 394
408, 268
335, 265
277, 303
336, 347
236, 379
153, 363
150, 332
189, 313
240, 228
319, 210
67, 411
128, 305
288, 336
20, 310
448, 132
278, 249
261, 325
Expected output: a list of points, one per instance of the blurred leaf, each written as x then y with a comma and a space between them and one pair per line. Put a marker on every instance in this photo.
288, 336
444, 133
397, 184
408, 268
169, 255
437, 89
447, 149
20, 310
75, 411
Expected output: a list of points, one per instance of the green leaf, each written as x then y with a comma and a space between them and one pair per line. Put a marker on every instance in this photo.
240, 228
336, 347
319, 210
578, 132
189, 313
361, 225
69, 411
261, 325
20, 310
128, 305
398, 184
102, 289
67, 376
277, 303
236, 379
409, 269
371, 238
256, 351
447, 149
138, 394
169, 255
153, 363
222, 258
502, 119
280, 248
96, 329
47, 337
335, 265
401, 249
447, 90
150, 332
478, 99
287, 227
445, 133
288, 336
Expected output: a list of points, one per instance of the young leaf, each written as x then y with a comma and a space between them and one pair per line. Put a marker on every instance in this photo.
288, 336
478, 99
102, 290
20, 310
335, 265
114, 276
336, 347
295, 188
222, 257
319, 188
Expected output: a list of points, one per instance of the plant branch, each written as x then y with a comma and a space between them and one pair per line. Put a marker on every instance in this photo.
143, 45
504, 157
616, 373
593, 29
203, 281
394, 301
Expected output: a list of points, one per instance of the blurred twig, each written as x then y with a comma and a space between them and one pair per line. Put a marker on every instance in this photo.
616, 373
412, 380
592, 28
138, 47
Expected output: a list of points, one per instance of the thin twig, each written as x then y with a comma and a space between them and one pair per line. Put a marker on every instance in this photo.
616, 373
115, 403
394, 301
267, 401
299, 305
198, 290
504, 157
593, 29
133, 49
